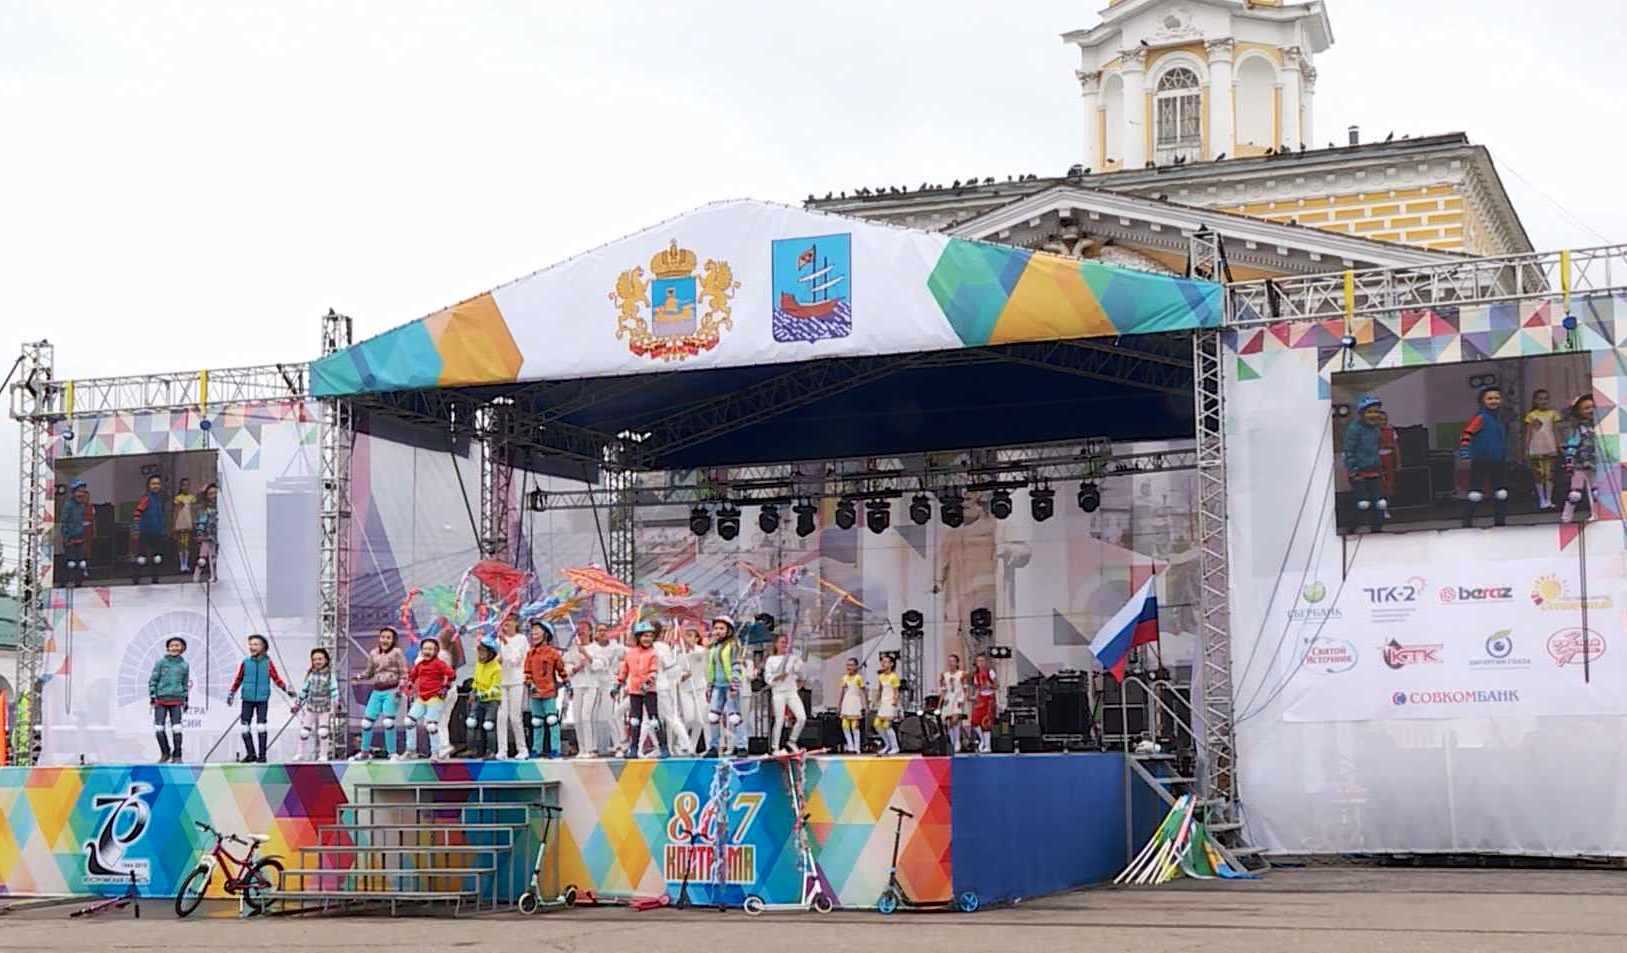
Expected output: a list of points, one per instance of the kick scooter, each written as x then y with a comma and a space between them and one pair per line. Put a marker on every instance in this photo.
531, 901
814, 894
894, 896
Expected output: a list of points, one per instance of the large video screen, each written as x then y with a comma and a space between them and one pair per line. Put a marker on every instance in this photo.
1482, 444
136, 519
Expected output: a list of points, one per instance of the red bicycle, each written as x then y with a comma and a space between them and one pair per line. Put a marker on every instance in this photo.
251, 877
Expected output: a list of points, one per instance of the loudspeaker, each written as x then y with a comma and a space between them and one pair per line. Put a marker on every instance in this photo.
827, 725
1064, 710
911, 734
1411, 486
1413, 444
1002, 744
757, 744
1113, 718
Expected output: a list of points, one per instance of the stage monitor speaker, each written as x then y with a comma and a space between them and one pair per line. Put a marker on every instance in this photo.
1064, 713
1411, 486
1113, 720
911, 734
757, 744
1002, 744
828, 726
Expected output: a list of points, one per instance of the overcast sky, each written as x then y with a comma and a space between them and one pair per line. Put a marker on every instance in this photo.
192, 184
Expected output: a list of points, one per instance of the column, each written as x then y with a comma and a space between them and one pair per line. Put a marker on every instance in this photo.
1222, 133
1292, 135
1307, 99
1090, 89
1135, 132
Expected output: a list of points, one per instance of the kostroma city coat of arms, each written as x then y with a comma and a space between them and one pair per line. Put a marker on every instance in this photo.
674, 315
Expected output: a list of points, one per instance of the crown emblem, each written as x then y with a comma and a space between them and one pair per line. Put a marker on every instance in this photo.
675, 262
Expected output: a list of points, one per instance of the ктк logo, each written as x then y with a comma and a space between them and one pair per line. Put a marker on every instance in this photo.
124, 820
1399, 656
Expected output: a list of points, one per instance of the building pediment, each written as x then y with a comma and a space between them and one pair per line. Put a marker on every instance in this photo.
1179, 24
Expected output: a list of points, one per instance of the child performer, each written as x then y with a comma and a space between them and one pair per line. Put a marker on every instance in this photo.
591, 681
620, 705
167, 689
887, 689
426, 688
1581, 458
512, 648
850, 702
1363, 465
783, 672
636, 675
183, 523
206, 530
148, 526
255, 676
669, 676
1542, 446
544, 673
386, 667
952, 700
76, 519
1484, 445
318, 697
983, 685
482, 718
724, 666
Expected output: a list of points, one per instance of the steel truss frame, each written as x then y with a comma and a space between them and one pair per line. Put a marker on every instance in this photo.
32, 393
338, 438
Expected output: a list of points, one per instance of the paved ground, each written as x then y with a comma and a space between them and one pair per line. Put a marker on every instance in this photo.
1339, 910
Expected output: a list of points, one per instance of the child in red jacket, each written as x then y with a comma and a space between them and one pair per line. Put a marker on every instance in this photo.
426, 688
637, 677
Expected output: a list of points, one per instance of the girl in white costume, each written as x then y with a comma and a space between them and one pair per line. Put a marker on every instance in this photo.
850, 703
592, 682
783, 672
575, 660
452, 654
952, 700
668, 682
692, 685
514, 706
619, 705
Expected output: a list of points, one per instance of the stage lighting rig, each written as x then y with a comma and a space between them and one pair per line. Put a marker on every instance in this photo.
1042, 502
914, 624
846, 515
805, 512
768, 518
1000, 503
951, 508
1090, 498
700, 521
728, 521
537, 500
920, 509
878, 515
982, 624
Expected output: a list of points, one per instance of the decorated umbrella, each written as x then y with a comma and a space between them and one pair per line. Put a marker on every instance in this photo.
594, 580
501, 578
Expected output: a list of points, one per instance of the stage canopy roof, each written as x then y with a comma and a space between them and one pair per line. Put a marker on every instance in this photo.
748, 332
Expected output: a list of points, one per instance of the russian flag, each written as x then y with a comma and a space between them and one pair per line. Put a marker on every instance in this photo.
1135, 624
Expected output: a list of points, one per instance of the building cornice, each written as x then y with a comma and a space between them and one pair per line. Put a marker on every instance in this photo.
1114, 16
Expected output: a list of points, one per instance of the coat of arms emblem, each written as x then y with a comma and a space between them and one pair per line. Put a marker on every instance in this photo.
673, 314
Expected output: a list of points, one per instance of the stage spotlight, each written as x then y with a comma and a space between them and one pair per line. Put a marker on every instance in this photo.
951, 509
878, 515
920, 509
768, 518
982, 624
1042, 502
537, 500
1000, 503
846, 515
805, 517
1090, 498
700, 521
728, 521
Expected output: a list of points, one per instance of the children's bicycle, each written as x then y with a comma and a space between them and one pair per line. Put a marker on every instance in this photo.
894, 896
531, 901
249, 878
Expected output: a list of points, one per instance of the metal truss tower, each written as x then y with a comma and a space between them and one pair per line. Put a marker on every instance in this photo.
493, 427
333, 624
32, 400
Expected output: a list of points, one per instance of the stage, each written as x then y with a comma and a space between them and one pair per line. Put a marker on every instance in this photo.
1005, 826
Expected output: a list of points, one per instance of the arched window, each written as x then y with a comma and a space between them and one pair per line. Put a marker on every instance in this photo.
1178, 116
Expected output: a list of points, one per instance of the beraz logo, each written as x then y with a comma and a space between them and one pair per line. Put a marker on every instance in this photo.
1399, 656
1460, 595
125, 819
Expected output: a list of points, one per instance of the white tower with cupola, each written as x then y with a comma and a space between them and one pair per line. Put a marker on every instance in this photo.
1166, 81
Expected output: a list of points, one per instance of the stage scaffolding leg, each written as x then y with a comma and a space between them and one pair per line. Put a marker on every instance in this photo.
623, 485
1218, 777
492, 426
32, 400
333, 627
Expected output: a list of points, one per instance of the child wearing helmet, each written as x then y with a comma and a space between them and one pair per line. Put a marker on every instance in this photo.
1363, 461
318, 698
544, 672
1484, 446
725, 665
426, 688
637, 679
488, 693
386, 667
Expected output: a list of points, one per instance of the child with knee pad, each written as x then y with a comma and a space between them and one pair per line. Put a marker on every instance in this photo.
669, 674
1542, 446
255, 676
386, 667
167, 689
488, 694
887, 694
149, 527
544, 671
512, 648
725, 666
1581, 457
1484, 445
637, 679
76, 519
426, 687
850, 704
318, 698
1363, 463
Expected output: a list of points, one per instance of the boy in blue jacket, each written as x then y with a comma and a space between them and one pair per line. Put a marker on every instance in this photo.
255, 676
1484, 444
149, 528
167, 690
1362, 463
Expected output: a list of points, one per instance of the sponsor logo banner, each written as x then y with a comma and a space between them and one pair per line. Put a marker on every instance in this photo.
1473, 595
1575, 646
1330, 655
1466, 696
1498, 653
1399, 656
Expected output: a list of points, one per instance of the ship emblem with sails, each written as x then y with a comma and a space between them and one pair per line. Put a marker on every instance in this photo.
813, 283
